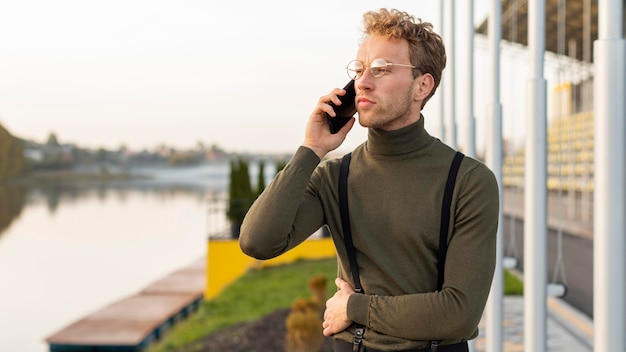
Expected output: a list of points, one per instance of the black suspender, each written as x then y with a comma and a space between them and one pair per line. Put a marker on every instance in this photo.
345, 220
347, 237
445, 217
347, 232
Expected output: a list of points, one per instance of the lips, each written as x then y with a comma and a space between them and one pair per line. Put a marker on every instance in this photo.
364, 102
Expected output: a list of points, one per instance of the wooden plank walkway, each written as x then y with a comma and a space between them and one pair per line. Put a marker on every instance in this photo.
134, 322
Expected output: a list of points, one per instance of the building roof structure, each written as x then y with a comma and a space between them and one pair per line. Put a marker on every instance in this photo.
571, 26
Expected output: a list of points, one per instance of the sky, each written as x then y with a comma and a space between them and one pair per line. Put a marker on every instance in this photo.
242, 75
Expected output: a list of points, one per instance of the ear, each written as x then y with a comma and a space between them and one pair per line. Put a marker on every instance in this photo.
424, 84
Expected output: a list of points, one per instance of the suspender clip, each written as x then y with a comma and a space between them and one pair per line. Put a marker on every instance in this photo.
358, 338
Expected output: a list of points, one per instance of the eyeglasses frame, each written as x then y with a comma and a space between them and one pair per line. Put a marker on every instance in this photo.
365, 67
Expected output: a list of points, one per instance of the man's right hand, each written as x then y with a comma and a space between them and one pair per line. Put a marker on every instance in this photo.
317, 135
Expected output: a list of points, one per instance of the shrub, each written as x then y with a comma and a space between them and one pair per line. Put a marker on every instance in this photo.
304, 322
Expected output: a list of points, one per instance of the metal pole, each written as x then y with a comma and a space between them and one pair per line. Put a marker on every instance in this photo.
535, 202
471, 121
494, 331
450, 118
587, 31
442, 84
610, 173
469, 89
586, 98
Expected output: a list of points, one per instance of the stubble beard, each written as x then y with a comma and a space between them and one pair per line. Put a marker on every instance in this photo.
385, 114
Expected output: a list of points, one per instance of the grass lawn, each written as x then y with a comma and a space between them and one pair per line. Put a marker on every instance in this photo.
260, 292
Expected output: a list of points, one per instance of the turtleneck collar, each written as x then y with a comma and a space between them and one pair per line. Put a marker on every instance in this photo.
398, 142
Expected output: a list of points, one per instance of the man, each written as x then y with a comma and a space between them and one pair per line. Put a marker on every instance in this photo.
395, 187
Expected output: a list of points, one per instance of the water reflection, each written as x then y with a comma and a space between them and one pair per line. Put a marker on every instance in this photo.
13, 198
11, 204
69, 249
56, 196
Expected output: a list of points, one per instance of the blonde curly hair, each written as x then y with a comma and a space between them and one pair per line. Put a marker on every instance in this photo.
426, 49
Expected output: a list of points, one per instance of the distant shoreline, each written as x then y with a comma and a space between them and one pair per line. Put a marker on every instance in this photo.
206, 176
69, 176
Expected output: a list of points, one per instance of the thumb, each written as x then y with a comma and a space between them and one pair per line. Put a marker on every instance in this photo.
342, 284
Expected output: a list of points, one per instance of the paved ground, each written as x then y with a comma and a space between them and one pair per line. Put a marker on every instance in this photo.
567, 328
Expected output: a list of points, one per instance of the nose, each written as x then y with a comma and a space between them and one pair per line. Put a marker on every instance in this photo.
365, 81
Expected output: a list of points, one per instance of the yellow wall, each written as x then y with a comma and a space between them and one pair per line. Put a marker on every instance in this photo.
226, 262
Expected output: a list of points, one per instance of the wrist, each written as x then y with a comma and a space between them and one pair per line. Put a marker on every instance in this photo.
320, 152
357, 307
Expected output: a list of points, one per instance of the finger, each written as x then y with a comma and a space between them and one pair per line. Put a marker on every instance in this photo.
348, 126
333, 97
340, 283
336, 94
327, 331
325, 107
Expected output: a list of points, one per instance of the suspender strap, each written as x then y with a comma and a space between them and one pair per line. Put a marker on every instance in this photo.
345, 220
443, 227
445, 217
347, 233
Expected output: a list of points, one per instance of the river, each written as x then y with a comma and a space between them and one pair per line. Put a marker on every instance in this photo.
66, 251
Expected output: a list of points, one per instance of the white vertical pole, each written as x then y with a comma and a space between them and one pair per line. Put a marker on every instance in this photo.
442, 84
469, 88
450, 87
535, 202
494, 331
587, 193
610, 175
587, 31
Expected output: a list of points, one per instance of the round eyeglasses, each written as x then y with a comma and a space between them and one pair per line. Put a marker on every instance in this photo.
378, 68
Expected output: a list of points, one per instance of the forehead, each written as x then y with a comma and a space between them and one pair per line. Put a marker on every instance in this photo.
391, 49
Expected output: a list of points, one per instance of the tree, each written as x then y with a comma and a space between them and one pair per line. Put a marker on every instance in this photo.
11, 156
280, 165
241, 195
53, 140
260, 184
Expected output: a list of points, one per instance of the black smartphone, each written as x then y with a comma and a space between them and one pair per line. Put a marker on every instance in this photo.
345, 111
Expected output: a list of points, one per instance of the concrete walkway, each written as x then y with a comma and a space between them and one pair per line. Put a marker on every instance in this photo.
567, 328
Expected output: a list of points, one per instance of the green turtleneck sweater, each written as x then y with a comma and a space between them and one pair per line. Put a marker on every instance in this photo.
395, 190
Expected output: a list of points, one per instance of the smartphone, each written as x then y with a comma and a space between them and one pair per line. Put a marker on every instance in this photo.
345, 111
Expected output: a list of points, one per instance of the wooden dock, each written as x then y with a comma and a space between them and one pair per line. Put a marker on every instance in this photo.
134, 322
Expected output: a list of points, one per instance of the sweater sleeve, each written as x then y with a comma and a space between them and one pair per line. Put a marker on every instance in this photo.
455, 311
286, 213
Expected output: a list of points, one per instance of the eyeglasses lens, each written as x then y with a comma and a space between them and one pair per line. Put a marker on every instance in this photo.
378, 67
355, 69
